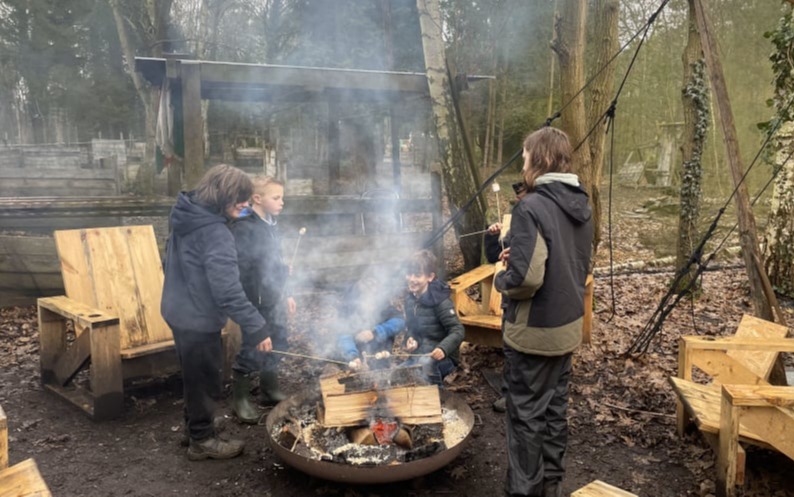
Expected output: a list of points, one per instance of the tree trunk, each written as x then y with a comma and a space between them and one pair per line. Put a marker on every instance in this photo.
489, 120
748, 234
600, 93
696, 105
569, 45
779, 236
460, 177
145, 179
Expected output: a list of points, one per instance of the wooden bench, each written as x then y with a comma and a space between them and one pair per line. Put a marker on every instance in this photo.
733, 363
482, 318
598, 488
113, 279
22, 479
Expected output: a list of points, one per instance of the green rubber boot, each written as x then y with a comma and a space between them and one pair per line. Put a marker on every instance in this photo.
242, 406
268, 388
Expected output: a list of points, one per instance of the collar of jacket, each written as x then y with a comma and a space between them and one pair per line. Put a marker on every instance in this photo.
567, 178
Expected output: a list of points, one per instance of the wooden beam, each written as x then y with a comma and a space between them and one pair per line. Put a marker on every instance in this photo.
107, 384
73, 359
23, 479
748, 235
334, 151
587, 323
759, 395
739, 343
684, 372
723, 368
411, 405
192, 123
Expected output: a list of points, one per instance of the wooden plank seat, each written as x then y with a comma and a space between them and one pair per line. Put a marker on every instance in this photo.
113, 279
598, 488
744, 360
22, 479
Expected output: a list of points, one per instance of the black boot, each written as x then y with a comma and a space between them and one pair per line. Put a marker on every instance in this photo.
214, 448
268, 388
242, 406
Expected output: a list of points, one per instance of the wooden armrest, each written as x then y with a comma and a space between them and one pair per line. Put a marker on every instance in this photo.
737, 343
471, 278
84, 316
758, 396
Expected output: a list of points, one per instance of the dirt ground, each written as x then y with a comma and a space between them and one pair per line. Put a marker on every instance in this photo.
621, 412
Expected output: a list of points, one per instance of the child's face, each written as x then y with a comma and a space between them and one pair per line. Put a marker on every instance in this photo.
271, 200
417, 283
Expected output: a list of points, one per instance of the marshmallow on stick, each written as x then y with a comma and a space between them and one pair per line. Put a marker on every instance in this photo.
301, 232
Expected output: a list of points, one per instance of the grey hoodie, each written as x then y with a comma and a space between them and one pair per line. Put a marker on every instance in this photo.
202, 283
550, 247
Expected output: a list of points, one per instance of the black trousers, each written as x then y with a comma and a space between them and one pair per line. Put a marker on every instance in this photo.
201, 359
537, 424
248, 359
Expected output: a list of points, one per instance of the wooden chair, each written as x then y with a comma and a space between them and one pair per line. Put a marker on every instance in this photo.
598, 488
483, 319
22, 479
113, 279
737, 366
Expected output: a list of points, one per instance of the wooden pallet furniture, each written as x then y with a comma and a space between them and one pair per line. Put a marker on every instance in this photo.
598, 488
22, 479
482, 319
744, 360
113, 279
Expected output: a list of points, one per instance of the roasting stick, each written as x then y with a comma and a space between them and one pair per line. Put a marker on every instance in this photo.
314, 358
301, 232
397, 354
474, 233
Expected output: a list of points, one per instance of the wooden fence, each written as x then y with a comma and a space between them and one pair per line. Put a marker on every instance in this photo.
54, 171
344, 235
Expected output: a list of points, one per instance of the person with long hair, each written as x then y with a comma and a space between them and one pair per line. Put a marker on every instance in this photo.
201, 291
543, 289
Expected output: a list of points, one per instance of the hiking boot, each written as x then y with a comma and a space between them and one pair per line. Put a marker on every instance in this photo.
219, 424
269, 392
242, 406
214, 448
500, 404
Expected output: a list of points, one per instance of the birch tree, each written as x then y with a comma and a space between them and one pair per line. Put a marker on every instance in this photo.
460, 177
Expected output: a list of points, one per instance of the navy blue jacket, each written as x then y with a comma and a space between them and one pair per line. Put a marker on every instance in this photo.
202, 283
432, 321
262, 271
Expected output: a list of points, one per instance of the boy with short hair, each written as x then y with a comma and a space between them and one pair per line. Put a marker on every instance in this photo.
433, 325
263, 275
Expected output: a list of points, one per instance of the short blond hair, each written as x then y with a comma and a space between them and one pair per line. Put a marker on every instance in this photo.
262, 181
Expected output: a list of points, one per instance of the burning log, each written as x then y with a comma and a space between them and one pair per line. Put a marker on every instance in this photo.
354, 400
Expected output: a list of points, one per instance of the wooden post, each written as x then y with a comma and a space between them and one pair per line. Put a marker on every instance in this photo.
52, 342
3, 440
107, 385
685, 372
748, 236
334, 170
729, 445
394, 124
192, 123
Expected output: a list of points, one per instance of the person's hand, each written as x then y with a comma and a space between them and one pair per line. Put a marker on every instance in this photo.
504, 256
438, 354
495, 229
265, 345
291, 306
411, 344
355, 364
365, 336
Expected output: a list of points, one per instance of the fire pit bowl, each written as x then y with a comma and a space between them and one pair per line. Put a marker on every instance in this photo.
347, 473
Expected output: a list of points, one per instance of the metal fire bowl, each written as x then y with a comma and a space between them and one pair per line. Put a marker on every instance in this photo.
347, 473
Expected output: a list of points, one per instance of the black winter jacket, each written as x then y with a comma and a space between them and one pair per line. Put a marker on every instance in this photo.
262, 271
551, 237
202, 284
432, 321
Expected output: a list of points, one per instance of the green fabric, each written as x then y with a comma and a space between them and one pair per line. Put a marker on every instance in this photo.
541, 341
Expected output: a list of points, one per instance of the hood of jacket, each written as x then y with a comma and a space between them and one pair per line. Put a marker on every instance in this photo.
187, 215
437, 292
565, 191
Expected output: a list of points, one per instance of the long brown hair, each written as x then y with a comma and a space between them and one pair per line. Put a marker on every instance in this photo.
547, 150
223, 186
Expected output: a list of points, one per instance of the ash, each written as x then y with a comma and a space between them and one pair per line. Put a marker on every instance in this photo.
302, 434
